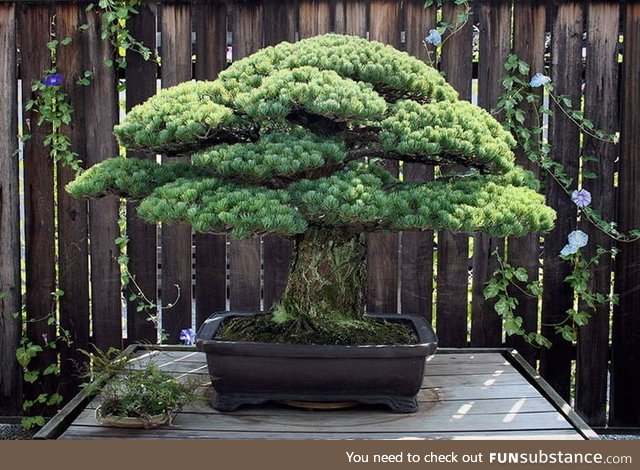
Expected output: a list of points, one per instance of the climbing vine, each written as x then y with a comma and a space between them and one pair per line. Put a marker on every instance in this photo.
519, 97
437, 37
115, 15
51, 104
28, 350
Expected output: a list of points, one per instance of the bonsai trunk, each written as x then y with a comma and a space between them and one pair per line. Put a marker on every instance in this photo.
327, 278
324, 300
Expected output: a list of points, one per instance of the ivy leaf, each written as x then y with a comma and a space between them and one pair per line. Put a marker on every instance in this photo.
51, 369
54, 399
490, 291
581, 318
31, 376
502, 307
521, 275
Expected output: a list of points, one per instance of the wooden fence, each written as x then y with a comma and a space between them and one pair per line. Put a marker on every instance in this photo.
69, 245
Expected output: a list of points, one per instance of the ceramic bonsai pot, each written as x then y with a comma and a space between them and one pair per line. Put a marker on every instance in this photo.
254, 373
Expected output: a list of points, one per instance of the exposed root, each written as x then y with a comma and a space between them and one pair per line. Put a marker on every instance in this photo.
306, 330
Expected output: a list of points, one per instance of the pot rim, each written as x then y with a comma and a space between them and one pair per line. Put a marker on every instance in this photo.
426, 346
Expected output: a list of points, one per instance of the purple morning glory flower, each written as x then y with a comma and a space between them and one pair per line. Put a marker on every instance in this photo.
578, 238
53, 80
581, 198
539, 80
434, 37
188, 336
569, 250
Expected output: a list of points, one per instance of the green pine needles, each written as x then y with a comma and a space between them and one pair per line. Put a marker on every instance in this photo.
291, 141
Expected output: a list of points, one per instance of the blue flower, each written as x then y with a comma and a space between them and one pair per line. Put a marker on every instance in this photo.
188, 336
539, 80
53, 80
578, 238
581, 198
569, 250
434, 37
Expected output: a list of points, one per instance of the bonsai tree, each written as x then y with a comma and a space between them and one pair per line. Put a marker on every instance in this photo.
291, 141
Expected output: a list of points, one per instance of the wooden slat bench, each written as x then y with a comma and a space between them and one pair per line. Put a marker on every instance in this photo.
466, 394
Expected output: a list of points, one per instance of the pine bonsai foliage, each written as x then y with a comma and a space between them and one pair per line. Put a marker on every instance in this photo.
291, 141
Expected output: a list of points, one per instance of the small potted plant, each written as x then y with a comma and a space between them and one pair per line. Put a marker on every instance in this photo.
293, 141
135, 394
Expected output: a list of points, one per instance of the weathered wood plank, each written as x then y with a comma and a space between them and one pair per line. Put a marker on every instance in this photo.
467, 369
143, 244
101, 114
279, 22
494, 47
211, 250
382, 248
416, 267
444, 357
528, 43
90, 432
248, 28
338, 15
355, 17
35, 32
453, 249
369, 421
10, 285
73, 249
481, 393
244, 255
279, 25
418, 21
176, 238
564, 136
601, 107
625, 380
314, 17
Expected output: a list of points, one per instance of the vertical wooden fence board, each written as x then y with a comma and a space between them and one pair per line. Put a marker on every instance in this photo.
142, 247
101, 114
244, 255
73, 248
601, 106
280, 25
279, 21
494, 47
355, 17
416, 266
314, 17
211, 250
385, 21
625, 380
339, 16
453, 249
529, 20
382, 249
10, 286
176, 238
248, 27
38, 197
564, 136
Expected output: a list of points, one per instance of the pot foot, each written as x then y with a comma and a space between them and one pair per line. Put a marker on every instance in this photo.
232, 401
